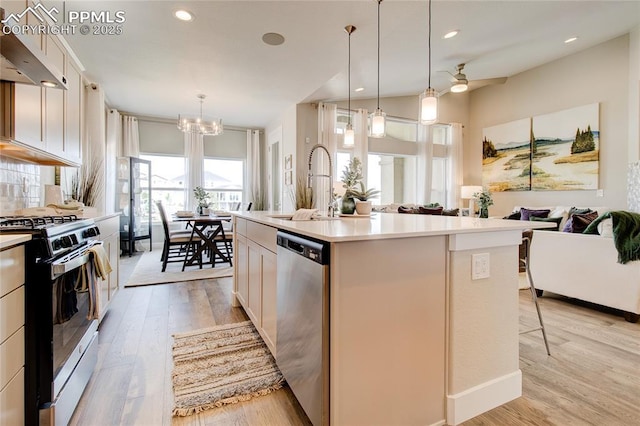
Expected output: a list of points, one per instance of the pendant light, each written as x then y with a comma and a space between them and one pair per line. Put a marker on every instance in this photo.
378, 118
198, 125
429, 98
349, 135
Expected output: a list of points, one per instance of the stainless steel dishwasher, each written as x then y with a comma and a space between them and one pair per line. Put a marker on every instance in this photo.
302, 344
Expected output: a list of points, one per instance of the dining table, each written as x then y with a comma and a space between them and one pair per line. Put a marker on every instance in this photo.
207, 228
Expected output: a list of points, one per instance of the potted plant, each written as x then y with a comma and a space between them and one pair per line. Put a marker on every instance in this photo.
484, 200
351, 177
362, 195
202, 197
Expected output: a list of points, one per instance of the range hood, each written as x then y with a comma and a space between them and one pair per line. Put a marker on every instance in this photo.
24, 62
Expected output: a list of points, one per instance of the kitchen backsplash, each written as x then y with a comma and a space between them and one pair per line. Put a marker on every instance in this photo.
19, 185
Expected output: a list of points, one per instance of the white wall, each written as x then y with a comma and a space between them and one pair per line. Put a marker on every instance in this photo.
599, 74
634, 95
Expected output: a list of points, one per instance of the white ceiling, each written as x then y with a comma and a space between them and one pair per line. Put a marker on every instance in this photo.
159, 64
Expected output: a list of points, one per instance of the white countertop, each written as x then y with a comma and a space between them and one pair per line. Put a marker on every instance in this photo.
388, 225
8, 240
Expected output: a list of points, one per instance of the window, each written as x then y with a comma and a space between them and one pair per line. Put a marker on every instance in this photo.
224, 180
167, 182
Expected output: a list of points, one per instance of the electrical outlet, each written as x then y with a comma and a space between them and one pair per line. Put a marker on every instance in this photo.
480, 266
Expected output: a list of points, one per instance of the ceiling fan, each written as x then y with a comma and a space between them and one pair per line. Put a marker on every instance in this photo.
460, 83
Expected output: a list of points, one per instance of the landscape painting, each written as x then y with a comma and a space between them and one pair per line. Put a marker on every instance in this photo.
506, 156
565, 150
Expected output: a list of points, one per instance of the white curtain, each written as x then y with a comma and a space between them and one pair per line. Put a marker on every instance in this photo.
112, 151
130, 137
424, 172
456, 165
194, 165
93, 152
254, 176
327, 136
361, 145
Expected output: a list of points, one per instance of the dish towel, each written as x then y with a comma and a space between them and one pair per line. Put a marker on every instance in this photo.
304, 214
97, 267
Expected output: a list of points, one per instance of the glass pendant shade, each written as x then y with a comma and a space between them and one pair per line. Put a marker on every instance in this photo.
378, 123
199, 125
429, 106
349, 136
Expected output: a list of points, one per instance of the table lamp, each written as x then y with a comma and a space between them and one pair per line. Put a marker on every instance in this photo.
466, 193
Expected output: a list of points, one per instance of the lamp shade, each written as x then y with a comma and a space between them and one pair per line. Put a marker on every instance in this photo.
459, 87
466, 192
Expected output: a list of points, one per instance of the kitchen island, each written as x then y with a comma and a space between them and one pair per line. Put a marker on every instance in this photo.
413, 338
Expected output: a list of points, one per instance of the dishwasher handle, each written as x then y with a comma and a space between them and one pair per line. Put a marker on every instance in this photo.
316, 251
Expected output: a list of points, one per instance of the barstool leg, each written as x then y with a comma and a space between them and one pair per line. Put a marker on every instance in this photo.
532, 288
535, 300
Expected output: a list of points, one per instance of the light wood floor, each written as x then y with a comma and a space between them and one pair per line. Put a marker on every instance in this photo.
592, 377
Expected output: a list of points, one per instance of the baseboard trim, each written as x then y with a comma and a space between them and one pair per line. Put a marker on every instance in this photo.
482, 398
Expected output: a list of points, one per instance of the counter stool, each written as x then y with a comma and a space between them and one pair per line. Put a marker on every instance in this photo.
526, 241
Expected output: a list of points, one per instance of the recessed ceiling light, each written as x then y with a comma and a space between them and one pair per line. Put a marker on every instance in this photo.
273, 39
571, 39
451, 34
184, 15
359, 89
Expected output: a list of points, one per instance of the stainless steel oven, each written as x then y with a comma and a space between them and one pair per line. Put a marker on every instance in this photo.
61, 333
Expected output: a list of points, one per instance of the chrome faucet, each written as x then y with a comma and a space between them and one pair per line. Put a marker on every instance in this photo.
332, 201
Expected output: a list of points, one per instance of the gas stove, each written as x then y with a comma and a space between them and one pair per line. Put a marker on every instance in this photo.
57, 234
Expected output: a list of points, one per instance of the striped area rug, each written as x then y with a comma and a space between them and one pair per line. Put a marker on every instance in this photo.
221, 365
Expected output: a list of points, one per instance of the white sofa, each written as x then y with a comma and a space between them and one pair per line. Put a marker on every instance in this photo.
585, 267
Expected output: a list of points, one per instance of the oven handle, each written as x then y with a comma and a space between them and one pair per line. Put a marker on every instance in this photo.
71, 262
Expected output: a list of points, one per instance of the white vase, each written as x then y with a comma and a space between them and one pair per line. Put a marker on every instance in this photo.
363, 207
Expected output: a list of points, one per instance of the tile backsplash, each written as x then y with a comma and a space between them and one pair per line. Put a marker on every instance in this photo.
19, 185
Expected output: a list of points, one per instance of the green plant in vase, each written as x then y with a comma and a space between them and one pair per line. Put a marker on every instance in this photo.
351, 177
484, 200
202, 197
362, 196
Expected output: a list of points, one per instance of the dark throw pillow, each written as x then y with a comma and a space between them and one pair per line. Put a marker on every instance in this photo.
403, 209
430, 210
579, 222
450, 212
576, 210
513, 216
525, 214
555, 220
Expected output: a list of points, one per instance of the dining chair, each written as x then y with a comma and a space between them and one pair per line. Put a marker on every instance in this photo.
176, 243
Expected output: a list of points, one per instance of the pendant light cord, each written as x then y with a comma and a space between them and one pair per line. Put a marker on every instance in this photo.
349, 97
378, 100
429, 43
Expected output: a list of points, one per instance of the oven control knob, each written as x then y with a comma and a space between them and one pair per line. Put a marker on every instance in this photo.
66, 242
91, 232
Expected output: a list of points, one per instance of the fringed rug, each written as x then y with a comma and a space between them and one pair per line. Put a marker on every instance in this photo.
221, 365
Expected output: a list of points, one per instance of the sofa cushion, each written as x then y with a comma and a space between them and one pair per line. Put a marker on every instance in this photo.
525, 214
579, 222
405, 209
555, 220
450, 212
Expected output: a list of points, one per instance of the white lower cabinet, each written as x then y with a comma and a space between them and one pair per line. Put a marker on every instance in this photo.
12, 336
255, 277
